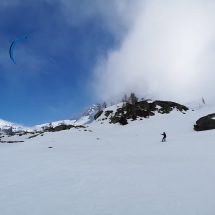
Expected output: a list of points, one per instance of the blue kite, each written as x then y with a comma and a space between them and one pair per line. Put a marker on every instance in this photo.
12, 46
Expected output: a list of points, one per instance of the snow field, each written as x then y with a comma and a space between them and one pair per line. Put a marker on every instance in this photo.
112, 170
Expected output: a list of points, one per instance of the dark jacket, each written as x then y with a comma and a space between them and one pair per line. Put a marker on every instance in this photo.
164, 135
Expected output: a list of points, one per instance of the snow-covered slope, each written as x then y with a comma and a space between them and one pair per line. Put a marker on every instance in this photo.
88, 115
112, 169
85, 118
4, 125
55, 123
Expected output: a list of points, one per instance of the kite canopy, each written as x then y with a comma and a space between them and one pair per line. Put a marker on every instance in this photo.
13, 44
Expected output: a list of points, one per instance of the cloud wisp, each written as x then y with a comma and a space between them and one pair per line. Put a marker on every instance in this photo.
168, 53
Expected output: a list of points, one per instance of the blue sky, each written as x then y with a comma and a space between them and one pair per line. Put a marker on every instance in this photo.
80, 52
51, 79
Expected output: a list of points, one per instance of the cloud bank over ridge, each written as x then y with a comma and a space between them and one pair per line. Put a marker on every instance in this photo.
167, 53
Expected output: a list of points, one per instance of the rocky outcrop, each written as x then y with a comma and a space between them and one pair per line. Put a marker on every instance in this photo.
141, 109
98, 114
61, 127
205, 123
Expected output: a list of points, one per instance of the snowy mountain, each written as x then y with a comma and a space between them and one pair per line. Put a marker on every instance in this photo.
85, 118
112, 169
88, 115
6, 126
54, 124
91, 110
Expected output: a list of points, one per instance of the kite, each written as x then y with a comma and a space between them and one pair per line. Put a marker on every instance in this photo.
13, 44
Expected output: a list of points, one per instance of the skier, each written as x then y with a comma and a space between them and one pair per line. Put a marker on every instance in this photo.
164, 137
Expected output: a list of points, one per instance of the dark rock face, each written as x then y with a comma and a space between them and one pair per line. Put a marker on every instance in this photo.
98, 114
12, 141
144, 109
123, 121
107, 113
167, 106
61, 127
205, 123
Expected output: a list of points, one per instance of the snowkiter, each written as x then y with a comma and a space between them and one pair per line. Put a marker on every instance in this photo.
164, 137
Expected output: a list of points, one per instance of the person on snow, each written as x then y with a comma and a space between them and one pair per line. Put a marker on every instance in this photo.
164, 137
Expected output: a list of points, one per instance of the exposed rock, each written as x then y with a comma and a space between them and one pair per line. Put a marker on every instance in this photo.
35, 135
144, 109
167, 106
98, 114
205, 123
123, 121
61, 127
21, 141
107, 113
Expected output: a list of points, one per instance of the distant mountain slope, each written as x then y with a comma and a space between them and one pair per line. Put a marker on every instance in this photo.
55, 123
6, 125
86, 117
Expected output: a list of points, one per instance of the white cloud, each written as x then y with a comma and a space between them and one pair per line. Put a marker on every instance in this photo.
168, 53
